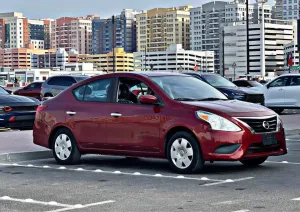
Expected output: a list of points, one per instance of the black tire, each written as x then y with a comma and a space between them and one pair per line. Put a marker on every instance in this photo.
278, 110
197, 161
75, 154
254, 162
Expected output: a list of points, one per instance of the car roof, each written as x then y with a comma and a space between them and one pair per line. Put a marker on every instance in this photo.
290, 74
70, 75
201, 73
148, 73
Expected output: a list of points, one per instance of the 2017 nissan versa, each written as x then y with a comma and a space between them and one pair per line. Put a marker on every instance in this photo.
160, 115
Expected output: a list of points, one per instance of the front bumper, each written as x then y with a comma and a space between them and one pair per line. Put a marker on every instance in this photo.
17, 120
243, 145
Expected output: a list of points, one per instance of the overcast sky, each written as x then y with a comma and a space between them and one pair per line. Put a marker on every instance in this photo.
35, 9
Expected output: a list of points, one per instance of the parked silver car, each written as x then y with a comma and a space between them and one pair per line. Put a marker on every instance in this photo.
56, 84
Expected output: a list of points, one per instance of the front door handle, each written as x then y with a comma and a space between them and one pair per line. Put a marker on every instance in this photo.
116, 115
71, 113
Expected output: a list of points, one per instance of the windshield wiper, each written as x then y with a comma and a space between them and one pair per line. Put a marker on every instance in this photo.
186, 99
211, 99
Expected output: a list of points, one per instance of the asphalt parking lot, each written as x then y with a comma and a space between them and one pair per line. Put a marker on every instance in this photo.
102, 183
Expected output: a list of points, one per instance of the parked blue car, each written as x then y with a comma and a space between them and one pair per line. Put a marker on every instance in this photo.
17, 112
228, 88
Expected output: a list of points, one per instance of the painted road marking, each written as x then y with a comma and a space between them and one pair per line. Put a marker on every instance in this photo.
283, 162
243, 210
228, 181
65, 207
83, 206
178, 177
296, 199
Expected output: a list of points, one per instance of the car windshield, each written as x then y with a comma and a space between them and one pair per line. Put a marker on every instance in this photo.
218, 81
2, 91
186, 88
255, 84
78, 79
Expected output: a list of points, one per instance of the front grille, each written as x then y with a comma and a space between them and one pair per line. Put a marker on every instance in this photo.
261, 125
23, 108
255, 98
260, 148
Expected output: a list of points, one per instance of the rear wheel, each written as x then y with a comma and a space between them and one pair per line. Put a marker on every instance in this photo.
254, 162
65, 148
184, 153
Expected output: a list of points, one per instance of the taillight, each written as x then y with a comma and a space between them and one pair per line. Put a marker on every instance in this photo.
40, 108
7, 109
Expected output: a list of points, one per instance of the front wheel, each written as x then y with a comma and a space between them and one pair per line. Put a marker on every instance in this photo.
254, 162
184, 153
65, 148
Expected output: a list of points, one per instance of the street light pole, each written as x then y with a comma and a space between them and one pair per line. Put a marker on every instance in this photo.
145, 58
223, 52
247, 39
113, 40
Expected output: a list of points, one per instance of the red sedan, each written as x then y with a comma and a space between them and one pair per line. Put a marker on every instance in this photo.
31, 90
160, 115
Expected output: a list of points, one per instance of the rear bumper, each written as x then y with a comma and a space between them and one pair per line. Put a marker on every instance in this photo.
243, 145
17, 120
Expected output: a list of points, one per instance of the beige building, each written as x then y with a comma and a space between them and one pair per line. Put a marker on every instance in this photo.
81, 37
160, 27
123, 60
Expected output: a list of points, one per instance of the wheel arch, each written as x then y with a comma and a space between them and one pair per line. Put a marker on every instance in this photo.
54, 131
174, 130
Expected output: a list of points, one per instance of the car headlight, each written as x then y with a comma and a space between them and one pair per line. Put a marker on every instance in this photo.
279, 122
217, 122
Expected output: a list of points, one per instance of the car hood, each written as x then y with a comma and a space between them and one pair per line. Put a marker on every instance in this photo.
10, 100
239, 90
232, 108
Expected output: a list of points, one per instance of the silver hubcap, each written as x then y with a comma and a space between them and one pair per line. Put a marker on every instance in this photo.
182, 153
63, 147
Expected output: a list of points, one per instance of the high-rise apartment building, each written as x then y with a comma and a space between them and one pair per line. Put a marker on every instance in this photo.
206, 22
36, 30
124, 29
72, 33
81, 37
277, 10
275, 37
14, 30
160, 27
290, 9
47, 33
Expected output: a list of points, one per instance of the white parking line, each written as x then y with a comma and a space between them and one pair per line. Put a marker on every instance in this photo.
178, 177
283, 162
65, 207
83, 206
228, 181
296, 199
243, 210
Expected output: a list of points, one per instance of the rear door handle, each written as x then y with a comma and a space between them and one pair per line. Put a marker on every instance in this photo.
71, 113
116, 115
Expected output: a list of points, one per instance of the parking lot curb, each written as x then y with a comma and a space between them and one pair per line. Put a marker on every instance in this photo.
23, 156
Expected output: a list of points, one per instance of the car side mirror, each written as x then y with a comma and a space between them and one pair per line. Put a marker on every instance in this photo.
148, 99
268, 86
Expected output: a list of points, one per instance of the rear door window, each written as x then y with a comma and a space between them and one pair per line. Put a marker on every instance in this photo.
68, 81
295, 81
55, 81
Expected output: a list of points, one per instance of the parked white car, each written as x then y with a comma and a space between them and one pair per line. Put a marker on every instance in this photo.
282, 92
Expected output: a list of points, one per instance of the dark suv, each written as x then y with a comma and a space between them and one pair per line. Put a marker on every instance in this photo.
230, 89
56, 84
